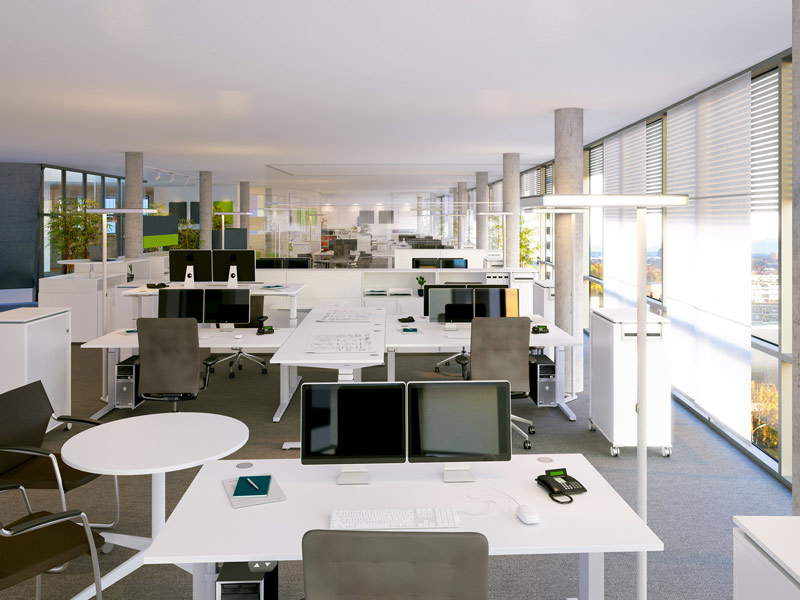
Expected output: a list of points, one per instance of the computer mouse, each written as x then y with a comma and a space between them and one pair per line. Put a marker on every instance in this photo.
527, 515
237, 336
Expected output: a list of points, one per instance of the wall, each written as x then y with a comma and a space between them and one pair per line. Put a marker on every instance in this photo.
20, 185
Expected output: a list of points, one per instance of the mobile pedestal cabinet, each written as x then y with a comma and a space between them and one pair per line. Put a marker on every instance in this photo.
612, 403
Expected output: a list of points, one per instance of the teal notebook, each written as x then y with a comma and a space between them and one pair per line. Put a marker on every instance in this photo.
252, 486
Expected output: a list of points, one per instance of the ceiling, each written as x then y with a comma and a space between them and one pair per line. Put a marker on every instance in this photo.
352, 97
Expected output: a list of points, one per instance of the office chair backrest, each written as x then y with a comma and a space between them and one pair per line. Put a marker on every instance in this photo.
24, 414
169, 356
499, 350
351, 565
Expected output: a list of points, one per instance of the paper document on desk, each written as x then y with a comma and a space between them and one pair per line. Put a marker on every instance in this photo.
334, 343
347, 315
275, 494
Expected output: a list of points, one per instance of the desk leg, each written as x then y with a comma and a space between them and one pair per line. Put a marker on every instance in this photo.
560, 381
591, 576
158, 503
289, 382
356, 374
203, 577
292, 311
391, 354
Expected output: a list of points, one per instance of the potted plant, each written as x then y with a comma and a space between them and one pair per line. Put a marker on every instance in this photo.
72, 230
421, 282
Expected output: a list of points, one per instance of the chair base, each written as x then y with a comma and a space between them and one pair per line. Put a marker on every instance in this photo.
236, 361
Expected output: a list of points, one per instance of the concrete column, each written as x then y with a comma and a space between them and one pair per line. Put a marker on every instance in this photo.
205, 209
244, 203
419, 215
134, 192
795, 259
568, 179
511, 205
461, 209
450, 220
481, 206
431, 209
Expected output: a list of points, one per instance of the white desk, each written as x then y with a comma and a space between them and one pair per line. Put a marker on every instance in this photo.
293, 354
204, 529
150, 445
432, 337
209, 338
766, 559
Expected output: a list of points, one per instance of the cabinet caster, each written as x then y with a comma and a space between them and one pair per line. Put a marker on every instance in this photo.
526, 444
231, 374
592, 426
614, 451
531, 429
666, 451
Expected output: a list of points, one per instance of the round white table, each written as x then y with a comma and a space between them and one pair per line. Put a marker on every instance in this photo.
151, 445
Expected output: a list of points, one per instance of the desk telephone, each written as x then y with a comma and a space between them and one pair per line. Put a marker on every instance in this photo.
540, 329
560, 485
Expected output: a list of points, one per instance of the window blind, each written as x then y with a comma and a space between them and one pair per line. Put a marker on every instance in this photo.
654, 161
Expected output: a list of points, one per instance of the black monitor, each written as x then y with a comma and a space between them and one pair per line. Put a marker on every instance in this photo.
450, 305
459, 421
453, 263
181, 304
424, 263
338, 425
490, 301
243, 260
199, 259
427, 290
226, 306
296, 263
269, 263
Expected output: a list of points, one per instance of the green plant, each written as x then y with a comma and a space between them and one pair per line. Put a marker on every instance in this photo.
71, 229
421, 280
528, 248
188, 236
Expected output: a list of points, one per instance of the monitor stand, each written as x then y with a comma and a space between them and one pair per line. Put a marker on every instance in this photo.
188, 277
233, 279
353, 475
457, 473
226, 327
449, 326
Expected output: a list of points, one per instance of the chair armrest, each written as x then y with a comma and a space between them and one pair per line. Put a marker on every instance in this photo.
44, 521
71, 419
32, 450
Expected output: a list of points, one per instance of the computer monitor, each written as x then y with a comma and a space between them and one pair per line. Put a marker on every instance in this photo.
243, 260
199, 259
179, 304
490, 302
269, 263
226, 306
297, 263
427, 289
458, 422
353, 424
453, 263
450, 305
424, 263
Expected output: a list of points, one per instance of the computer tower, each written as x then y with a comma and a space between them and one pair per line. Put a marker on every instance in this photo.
542, 372
247, 581
126, 383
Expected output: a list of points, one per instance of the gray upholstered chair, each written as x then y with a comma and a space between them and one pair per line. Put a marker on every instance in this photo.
42, 541
25, 413
499, 348
169, 355
343, 565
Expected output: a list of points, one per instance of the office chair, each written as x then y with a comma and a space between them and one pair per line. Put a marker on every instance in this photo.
499, 348
257, 319
351, 565
41, 541
169, 350
24, 415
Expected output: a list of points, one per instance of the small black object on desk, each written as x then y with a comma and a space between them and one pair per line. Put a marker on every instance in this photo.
156, 286
406, 319
540, 329
263, 329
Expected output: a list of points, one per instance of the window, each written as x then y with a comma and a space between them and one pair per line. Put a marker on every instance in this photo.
596, 229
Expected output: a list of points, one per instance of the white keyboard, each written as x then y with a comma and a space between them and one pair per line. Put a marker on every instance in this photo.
458, 335
439, 517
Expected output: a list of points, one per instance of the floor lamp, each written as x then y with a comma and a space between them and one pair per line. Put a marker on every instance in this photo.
641, 202
104, 212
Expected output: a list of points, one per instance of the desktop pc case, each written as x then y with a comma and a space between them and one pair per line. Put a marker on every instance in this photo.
542, 373
247, 581
126, 383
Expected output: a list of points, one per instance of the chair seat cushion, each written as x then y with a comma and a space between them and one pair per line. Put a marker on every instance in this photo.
28, 554
37, 473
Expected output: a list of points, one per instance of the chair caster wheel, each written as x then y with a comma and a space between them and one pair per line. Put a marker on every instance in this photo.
436, 370
211, 370
263, 371
230, 364
106, 548
447, 364
231, 375
526, 444
532, 430
240, 367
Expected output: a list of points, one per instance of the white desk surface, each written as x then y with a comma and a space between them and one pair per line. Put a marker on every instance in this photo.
256, 289
777, 536
293, 351
209, 338
28, 314
434, 335
149, 444
204, 528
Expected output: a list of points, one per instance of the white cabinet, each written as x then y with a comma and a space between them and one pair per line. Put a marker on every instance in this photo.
36, 347
612, 402
766, 559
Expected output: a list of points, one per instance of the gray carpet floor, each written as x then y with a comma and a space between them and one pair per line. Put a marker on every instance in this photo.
693, 494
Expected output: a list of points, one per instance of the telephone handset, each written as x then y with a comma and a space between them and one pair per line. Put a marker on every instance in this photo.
560, 485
